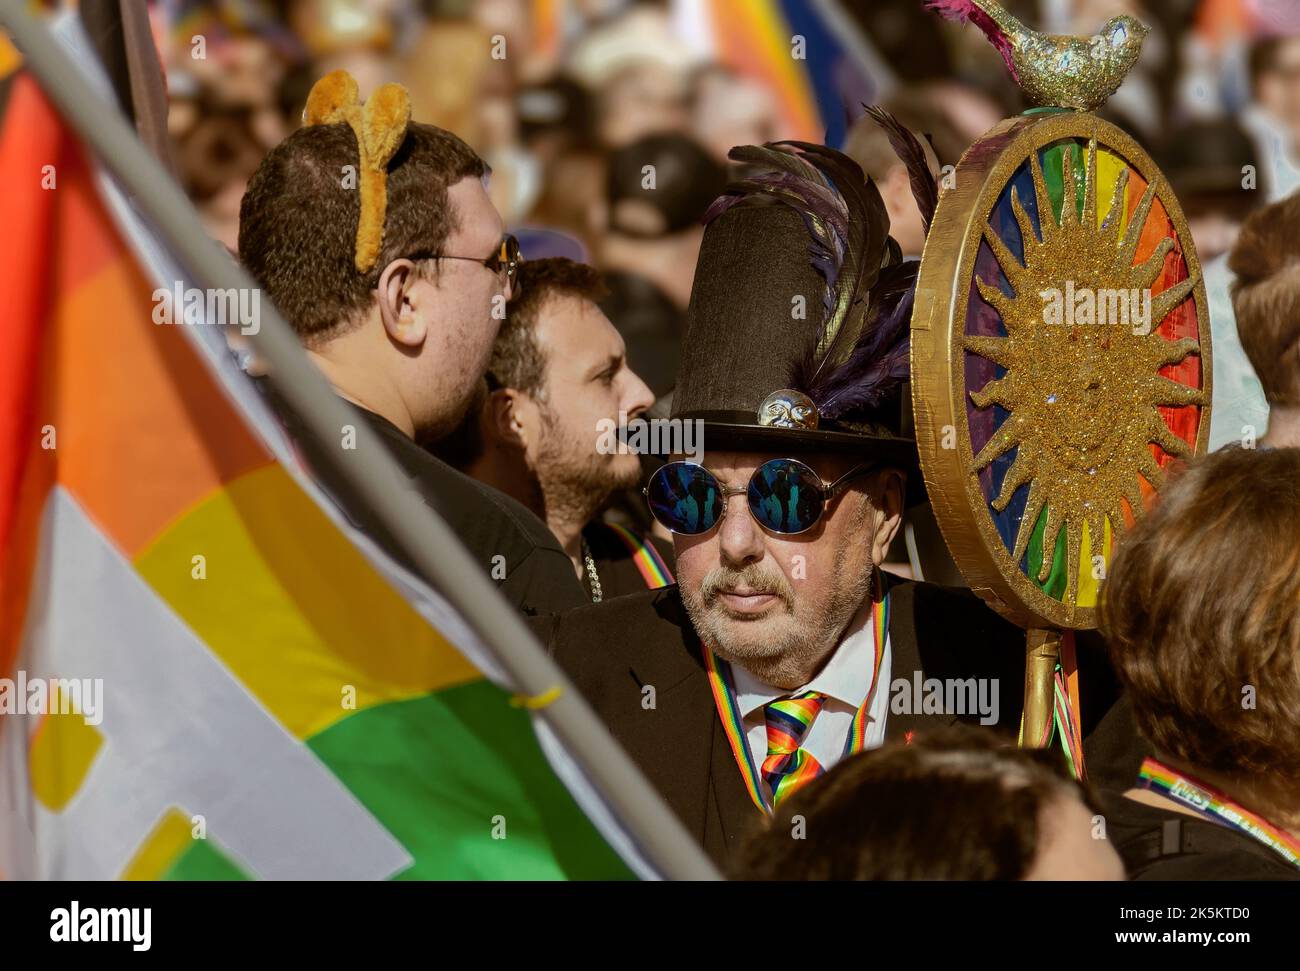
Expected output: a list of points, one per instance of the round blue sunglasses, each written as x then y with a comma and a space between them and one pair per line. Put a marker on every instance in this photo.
785, 496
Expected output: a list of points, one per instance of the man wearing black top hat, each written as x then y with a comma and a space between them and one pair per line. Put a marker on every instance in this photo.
784, 647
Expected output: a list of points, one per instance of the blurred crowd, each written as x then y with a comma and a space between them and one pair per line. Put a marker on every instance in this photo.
567, 100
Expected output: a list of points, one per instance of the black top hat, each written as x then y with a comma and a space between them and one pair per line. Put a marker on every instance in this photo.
798, 325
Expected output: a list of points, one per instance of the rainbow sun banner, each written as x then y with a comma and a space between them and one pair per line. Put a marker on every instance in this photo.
204, 672
983, 320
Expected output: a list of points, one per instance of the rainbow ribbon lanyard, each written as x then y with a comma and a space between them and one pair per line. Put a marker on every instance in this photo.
724, 698
1216, 807
654, 571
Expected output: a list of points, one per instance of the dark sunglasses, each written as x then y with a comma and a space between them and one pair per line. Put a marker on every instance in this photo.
785, 496
506, 260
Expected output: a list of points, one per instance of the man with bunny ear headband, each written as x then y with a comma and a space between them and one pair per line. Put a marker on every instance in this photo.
374, 237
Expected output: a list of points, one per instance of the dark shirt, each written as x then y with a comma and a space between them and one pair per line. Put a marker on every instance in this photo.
512, 545
1163, 844
1114, 751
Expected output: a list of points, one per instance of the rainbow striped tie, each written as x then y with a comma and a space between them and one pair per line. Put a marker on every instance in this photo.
787, 766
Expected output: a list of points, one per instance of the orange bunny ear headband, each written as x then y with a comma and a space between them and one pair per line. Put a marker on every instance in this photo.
380, 127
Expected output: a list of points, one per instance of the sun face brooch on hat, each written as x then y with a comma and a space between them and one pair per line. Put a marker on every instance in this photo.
380, 127
860, 357
788, 408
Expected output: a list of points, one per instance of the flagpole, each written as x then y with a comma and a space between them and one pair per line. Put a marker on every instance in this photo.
420, 532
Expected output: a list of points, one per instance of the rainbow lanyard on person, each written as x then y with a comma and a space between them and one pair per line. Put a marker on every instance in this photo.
654, 571
724, 698
1216, 807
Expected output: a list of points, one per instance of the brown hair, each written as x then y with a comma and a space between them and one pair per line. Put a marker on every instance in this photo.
887, 814
1203, 602
1266, 297
517, 358
867, 143
298, 219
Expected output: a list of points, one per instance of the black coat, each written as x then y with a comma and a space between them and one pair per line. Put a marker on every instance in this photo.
613, 650
1162, 844
513, 546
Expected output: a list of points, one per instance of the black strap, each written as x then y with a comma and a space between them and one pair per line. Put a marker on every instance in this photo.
1185, 837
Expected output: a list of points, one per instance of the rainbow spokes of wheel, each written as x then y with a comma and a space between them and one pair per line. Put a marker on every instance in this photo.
1082, 359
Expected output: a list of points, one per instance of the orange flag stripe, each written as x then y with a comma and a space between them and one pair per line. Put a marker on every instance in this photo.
87, 371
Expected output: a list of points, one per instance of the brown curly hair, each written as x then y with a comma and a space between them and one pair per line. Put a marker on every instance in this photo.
1202, 615
1266, 297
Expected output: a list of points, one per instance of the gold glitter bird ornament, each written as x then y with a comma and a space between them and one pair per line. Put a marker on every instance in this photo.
380, 127
1055, 70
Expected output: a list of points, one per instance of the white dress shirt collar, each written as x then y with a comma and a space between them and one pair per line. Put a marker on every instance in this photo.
846, 676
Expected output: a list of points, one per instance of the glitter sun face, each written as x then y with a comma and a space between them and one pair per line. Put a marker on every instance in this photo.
1082, 358
1061, 359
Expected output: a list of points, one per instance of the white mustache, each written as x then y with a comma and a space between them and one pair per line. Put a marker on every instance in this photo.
752, 578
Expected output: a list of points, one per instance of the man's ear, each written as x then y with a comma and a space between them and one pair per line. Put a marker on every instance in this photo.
399, 303
887, 497
508, 418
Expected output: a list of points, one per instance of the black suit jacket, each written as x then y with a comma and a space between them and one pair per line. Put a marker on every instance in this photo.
1161, 844
614, 650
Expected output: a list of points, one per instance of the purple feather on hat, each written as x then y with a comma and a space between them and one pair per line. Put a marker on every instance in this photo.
875, 367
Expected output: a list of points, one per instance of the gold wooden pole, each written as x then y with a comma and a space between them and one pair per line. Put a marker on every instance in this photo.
1042, 651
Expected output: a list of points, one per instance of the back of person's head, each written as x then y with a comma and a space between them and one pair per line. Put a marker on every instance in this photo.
1208, 158
867, 143
298, 220
668, 197
553, 114
959, 804
1266, 297
1202, 614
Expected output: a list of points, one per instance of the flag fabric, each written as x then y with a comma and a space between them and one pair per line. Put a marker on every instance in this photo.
250, 688
840, 81
793, 50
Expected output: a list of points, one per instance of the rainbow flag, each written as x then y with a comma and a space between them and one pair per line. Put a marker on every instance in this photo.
793, 49
204, 672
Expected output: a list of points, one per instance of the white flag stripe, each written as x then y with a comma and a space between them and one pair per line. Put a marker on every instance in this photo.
178, 730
